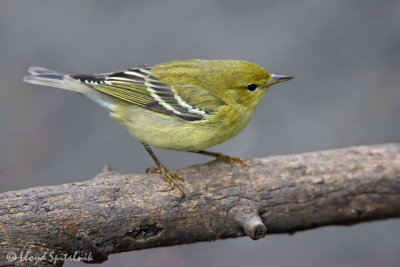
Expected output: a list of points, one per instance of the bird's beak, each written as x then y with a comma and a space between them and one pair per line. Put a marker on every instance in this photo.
280, 78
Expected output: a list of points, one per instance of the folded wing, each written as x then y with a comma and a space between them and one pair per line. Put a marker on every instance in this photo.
139, 87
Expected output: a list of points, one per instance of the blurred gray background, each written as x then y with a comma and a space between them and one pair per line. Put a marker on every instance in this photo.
345, 56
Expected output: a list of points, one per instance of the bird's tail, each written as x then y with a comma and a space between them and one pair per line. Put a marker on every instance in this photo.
43, 76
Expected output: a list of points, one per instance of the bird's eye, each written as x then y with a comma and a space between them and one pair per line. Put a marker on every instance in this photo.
252, 87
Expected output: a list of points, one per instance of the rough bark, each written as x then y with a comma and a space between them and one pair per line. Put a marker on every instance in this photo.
121, 212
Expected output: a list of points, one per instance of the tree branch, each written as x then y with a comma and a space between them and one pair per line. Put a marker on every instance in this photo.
121, 212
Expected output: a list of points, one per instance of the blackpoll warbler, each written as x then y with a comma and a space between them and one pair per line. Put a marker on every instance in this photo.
187, 105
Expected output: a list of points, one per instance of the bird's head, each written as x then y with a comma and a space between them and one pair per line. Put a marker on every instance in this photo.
242, 82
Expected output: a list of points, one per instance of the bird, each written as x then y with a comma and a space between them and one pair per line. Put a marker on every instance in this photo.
183, 105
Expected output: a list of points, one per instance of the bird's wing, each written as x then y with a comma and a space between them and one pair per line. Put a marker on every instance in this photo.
139, 87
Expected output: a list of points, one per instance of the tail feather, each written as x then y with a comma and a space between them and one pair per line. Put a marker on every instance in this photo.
35, 70
43, 76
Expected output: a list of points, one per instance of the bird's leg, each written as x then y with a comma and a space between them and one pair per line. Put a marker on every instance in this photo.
167, 175
223, 157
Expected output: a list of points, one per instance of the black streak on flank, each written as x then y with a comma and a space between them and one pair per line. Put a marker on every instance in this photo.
193, 117
184, 116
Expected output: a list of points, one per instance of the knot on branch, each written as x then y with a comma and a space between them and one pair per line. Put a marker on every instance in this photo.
246, 215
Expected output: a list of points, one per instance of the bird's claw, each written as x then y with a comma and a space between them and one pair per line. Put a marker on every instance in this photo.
168, 176
231, 160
